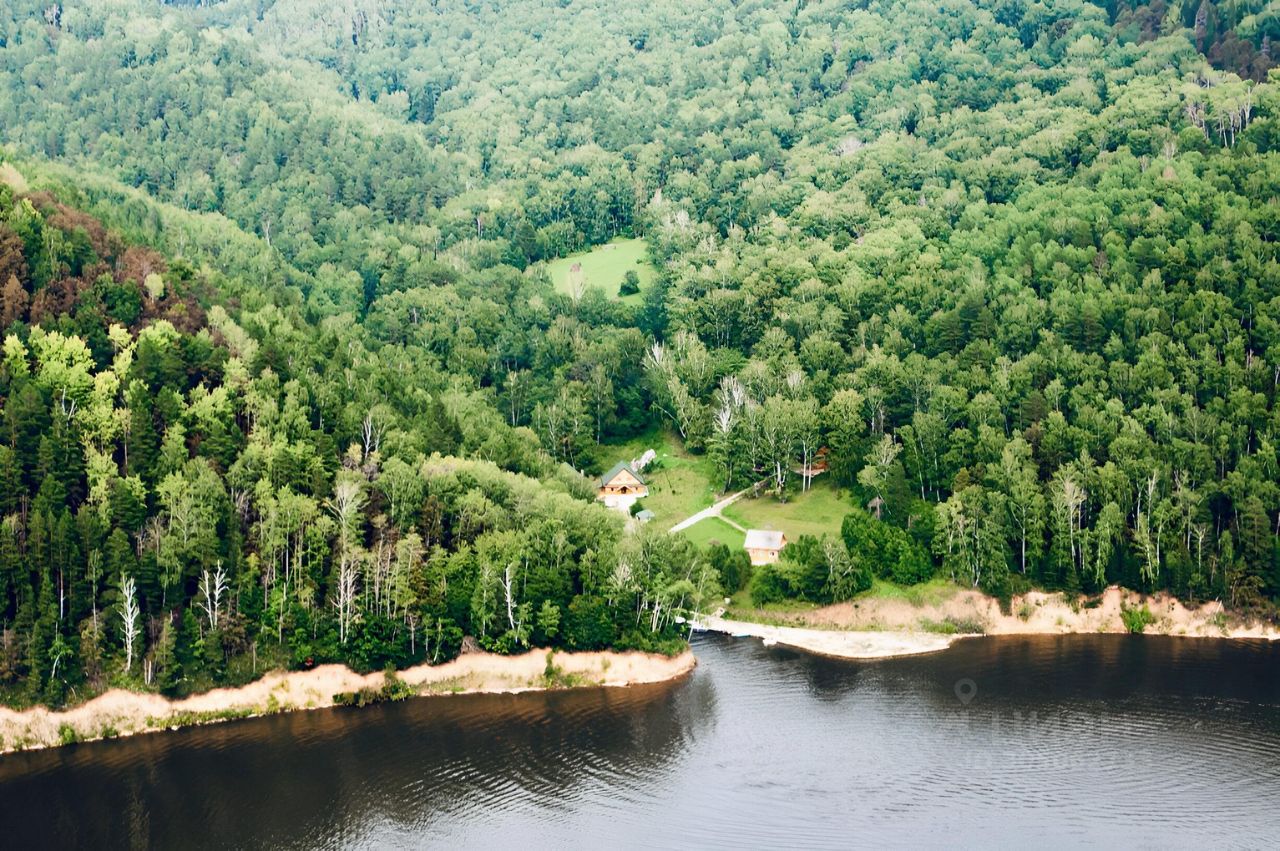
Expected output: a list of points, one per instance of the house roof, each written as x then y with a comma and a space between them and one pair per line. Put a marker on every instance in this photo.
764, 539
618, 468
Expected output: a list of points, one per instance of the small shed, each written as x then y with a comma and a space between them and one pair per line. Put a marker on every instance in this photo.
621, 486
764, 545
644, 515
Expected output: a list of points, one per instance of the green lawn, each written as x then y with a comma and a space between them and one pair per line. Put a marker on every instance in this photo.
604, 266
782, 613
935, 592
820, 510
714, 530
680, 484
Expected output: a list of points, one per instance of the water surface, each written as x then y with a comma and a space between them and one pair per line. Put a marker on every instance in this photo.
1059, 741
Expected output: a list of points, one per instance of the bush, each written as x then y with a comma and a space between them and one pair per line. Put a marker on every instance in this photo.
733, 565
953, 626
768, 585
553, 676
1136, 618
663, 643
393, 688
630, 283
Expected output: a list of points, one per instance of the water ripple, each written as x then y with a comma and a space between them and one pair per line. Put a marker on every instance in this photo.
1102, 740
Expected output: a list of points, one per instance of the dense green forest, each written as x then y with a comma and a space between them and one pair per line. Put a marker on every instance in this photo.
285, 378
193, 491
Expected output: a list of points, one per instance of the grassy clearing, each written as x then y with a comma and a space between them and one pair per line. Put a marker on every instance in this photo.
604, 267
819, 511
714, 530
935, 592
782, 613
680, 484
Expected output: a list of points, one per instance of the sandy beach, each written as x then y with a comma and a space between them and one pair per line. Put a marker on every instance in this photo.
123, 713
879, 628
845, 644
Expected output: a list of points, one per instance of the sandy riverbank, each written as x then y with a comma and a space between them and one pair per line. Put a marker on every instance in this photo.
879, 627
864, 644
1038, 613
123, 713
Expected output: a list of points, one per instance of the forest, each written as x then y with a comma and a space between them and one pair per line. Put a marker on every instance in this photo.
285, 379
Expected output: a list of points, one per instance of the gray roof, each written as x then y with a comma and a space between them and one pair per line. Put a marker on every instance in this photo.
645, 515
763, 539
618, 468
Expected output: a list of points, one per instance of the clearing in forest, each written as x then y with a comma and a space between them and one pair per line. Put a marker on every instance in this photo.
818, 511
604, 266
680, 484
715, 530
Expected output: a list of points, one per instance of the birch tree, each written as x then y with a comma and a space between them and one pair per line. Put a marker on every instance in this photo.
1026, 502
212, 587
129, 615
875, 475
347, 503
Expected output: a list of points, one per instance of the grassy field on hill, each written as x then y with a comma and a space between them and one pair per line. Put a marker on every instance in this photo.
679, 483
816, 512
604, 266
714, 530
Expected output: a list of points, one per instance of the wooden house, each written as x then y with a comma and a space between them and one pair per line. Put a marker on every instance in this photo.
764, 545
621, 487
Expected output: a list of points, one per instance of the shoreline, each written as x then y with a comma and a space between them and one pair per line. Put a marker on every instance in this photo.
881, 628
117, 713
837, 643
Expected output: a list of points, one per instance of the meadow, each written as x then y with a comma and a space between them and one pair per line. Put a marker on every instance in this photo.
818, 511
680, 484
604, 266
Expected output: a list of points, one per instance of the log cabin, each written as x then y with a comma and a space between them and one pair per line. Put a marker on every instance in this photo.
621, 487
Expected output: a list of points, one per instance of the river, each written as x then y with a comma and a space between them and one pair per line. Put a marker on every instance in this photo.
999, 742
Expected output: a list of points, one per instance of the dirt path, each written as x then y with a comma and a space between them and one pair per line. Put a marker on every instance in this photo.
713, 511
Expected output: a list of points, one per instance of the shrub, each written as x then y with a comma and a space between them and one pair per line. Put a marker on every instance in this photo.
768, 585
393, 688
967, 626
630, 283
1136, 618
553, 676
953, 626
